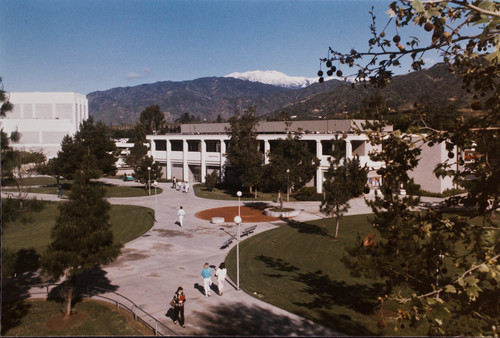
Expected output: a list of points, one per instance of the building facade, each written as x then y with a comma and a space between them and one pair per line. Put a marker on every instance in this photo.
200, 149
44, 118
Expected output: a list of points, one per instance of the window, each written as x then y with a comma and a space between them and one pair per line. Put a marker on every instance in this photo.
160, 145
176, 145
193, 146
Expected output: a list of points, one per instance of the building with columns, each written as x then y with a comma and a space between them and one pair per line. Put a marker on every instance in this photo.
44, 118
200, 149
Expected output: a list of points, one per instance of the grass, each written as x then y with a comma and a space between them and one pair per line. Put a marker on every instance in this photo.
298, 267
95, 319
48, 185
128, 222
228, 193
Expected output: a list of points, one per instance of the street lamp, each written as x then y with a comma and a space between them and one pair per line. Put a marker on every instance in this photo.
237, 220
149, 181
155, 184
287, 184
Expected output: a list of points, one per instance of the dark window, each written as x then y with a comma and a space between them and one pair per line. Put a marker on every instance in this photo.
194, 146
176, 145
212, 146
161, 145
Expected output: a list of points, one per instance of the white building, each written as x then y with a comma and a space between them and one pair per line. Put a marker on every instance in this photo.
200, 149
44, 118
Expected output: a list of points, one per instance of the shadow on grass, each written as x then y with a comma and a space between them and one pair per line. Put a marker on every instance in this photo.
257, 205
306, 227
15, 292
90, 283
244, 320
322, 294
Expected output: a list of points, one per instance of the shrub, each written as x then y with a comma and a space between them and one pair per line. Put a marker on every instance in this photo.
307, 194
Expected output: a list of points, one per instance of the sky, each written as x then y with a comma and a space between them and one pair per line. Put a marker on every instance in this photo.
90, 45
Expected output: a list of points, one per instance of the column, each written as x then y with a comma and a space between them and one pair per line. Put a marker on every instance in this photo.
319, 174
348, 149
169, 160
222, 159
203, 167
185, 168
267, 148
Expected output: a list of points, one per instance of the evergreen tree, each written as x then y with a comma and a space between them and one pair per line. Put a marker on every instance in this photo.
243, 150
291, 164
82, 237
337, 191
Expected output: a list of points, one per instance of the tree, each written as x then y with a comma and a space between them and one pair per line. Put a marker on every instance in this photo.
243, 151
337, 193
357, 176
291, 164
25, 165
152, 119
211, 180
142, 174
415, 248
6, 150
91, 140
82, 237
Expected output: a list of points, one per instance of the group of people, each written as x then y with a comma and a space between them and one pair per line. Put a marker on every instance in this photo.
179, 185
179, 298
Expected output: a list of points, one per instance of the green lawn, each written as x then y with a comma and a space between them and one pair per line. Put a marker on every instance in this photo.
298, 267
128, 222
34, 318
230, 194
48, 185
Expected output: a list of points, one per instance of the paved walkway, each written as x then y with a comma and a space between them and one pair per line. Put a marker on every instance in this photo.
151, 267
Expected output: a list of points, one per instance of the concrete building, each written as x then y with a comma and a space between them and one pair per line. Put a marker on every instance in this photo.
200, 149
44, 118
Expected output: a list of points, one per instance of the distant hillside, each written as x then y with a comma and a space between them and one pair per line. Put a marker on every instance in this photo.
434, 88
206, 98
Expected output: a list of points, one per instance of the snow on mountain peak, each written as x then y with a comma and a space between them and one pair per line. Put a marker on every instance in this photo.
274, 78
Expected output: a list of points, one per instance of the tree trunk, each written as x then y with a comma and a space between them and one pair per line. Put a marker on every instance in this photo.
337, 219
256, 195
69, 298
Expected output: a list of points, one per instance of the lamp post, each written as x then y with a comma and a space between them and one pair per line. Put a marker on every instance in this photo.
149, 181
287, 184
237, 220
155, 184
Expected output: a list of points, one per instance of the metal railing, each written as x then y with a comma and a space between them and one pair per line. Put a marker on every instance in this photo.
157, 327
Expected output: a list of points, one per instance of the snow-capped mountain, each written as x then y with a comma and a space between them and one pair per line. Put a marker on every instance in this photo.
274, 78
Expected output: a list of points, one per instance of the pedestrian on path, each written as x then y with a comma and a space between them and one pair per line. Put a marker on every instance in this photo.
178, 303
221, 273
59, 190
180, 215
206, 273
174, 183
178, 185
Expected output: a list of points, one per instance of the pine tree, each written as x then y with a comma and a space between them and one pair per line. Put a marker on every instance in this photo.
82, 237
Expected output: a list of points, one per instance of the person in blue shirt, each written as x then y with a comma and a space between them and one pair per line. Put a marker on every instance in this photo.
206, 273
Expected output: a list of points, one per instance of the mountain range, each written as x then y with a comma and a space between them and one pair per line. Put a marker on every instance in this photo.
220, 97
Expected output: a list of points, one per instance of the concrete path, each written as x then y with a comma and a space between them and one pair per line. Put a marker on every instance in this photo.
151, 267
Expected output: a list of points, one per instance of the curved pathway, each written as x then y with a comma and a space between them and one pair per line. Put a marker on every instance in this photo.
151, 267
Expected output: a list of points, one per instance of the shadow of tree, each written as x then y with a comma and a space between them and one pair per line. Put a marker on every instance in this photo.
306, 227
244, 320
257, 205
321, 294
327, 293
90, 283
15, 291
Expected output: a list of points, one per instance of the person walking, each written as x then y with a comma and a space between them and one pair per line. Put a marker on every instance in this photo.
59, 190
221, 273
206, 273
180, 215
174, 183
178, 303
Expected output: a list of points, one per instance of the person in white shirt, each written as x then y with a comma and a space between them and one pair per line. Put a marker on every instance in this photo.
221, 273
180, 215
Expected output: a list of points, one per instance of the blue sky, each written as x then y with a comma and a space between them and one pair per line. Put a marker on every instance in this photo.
89, 45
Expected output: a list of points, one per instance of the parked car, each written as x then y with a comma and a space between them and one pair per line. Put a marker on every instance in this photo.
127, 177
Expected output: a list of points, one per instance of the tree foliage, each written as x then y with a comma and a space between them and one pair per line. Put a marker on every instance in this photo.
93, 140
152, 120
291, 164
243, 151
82, 237
441, 270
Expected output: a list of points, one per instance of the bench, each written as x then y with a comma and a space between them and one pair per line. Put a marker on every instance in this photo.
228, 242
248, 230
